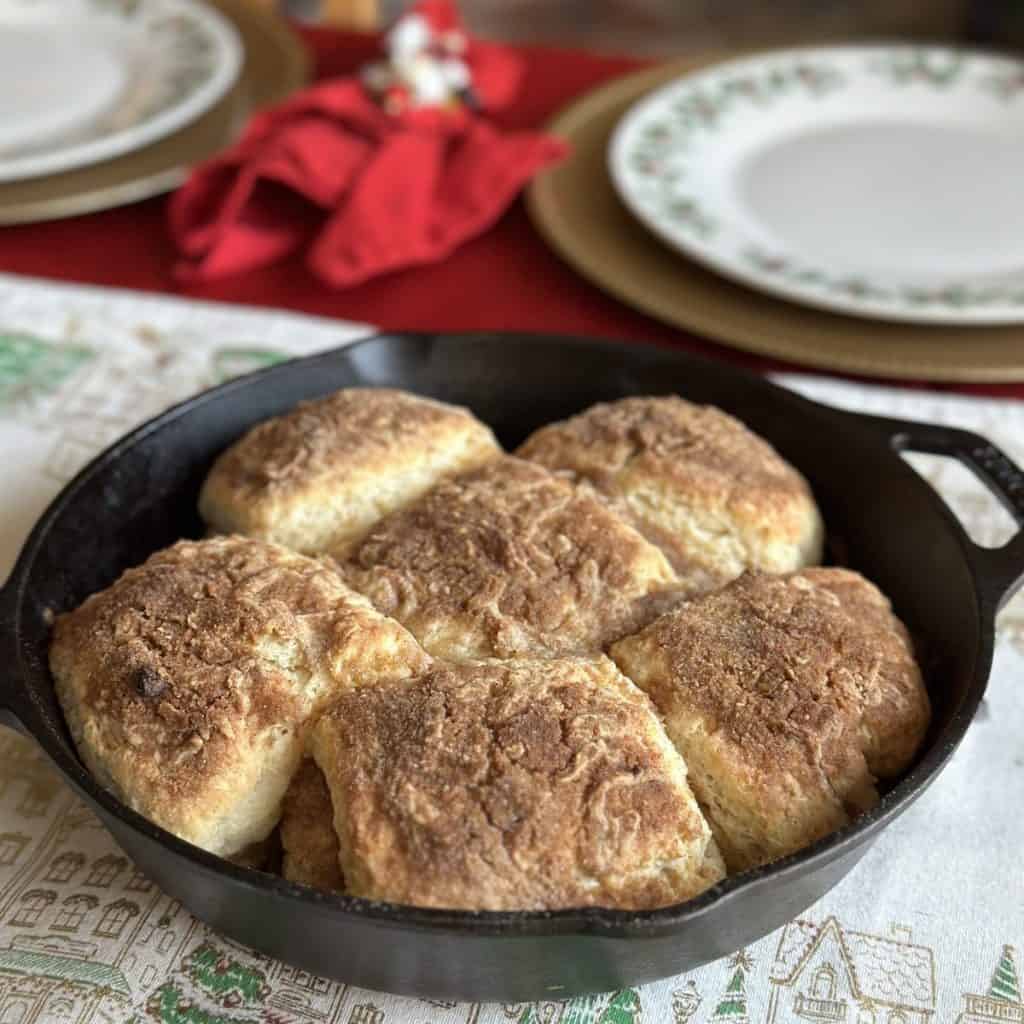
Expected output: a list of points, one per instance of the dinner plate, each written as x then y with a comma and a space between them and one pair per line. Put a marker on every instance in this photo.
87, 80
275, 65
881, 181
577, 211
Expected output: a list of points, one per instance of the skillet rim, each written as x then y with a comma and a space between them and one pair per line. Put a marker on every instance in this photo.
20, 698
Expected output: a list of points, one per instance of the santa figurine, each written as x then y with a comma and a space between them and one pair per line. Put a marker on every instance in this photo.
426, 61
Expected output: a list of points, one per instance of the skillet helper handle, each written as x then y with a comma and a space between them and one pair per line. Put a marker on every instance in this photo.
1000, 570
8, 658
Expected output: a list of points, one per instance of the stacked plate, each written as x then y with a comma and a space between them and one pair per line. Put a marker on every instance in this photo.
107, 101
768, 200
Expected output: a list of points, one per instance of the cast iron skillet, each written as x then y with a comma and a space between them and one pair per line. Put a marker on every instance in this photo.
140, 495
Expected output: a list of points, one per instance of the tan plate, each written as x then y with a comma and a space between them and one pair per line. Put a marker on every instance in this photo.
576, 210
275, 65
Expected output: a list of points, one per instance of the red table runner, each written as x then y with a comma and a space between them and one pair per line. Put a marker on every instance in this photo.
506, 279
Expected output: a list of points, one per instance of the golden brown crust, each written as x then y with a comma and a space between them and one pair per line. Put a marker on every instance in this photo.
783, 694
894, 704
319, 476
512, 785
510, 560
187, 683
308, 839
714, 496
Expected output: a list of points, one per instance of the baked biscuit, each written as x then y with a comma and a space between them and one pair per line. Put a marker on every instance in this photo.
510, 786
308, 838
715, 497
319, 476
786, 696
187, 684
509, 560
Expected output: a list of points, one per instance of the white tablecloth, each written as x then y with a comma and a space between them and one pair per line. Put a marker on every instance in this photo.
922, 930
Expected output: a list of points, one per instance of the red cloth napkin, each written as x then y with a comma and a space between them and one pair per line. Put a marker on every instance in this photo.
368, 191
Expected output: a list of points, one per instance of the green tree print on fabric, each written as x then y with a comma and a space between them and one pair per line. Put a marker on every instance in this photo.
31, 367
732, 1007
1004, 982
622, 1008
225, 980
529, 1015
169, 1005
581, 1010
211, 988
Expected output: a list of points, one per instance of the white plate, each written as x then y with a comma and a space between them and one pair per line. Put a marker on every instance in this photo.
87, 80
880, 181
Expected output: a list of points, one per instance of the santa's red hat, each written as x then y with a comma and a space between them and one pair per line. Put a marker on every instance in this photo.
440, 15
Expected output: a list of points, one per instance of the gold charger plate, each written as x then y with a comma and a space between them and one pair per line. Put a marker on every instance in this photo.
576, 210
275, 65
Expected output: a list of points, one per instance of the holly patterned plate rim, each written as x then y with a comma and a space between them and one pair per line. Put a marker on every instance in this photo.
176, 58
671, 151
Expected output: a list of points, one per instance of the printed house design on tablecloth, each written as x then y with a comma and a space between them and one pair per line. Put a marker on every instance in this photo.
827, 974
290, 994
295, 994
1002, 1004
81, 925
366, 1013
84, 931
50, 978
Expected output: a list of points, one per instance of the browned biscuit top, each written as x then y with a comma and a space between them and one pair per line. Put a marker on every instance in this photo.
784, 665
509, 559
206, 640
528, 784
355, 425
675, 437
714, 496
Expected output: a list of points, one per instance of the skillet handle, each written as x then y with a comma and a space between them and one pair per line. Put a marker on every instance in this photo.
8, 659
1000, 570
